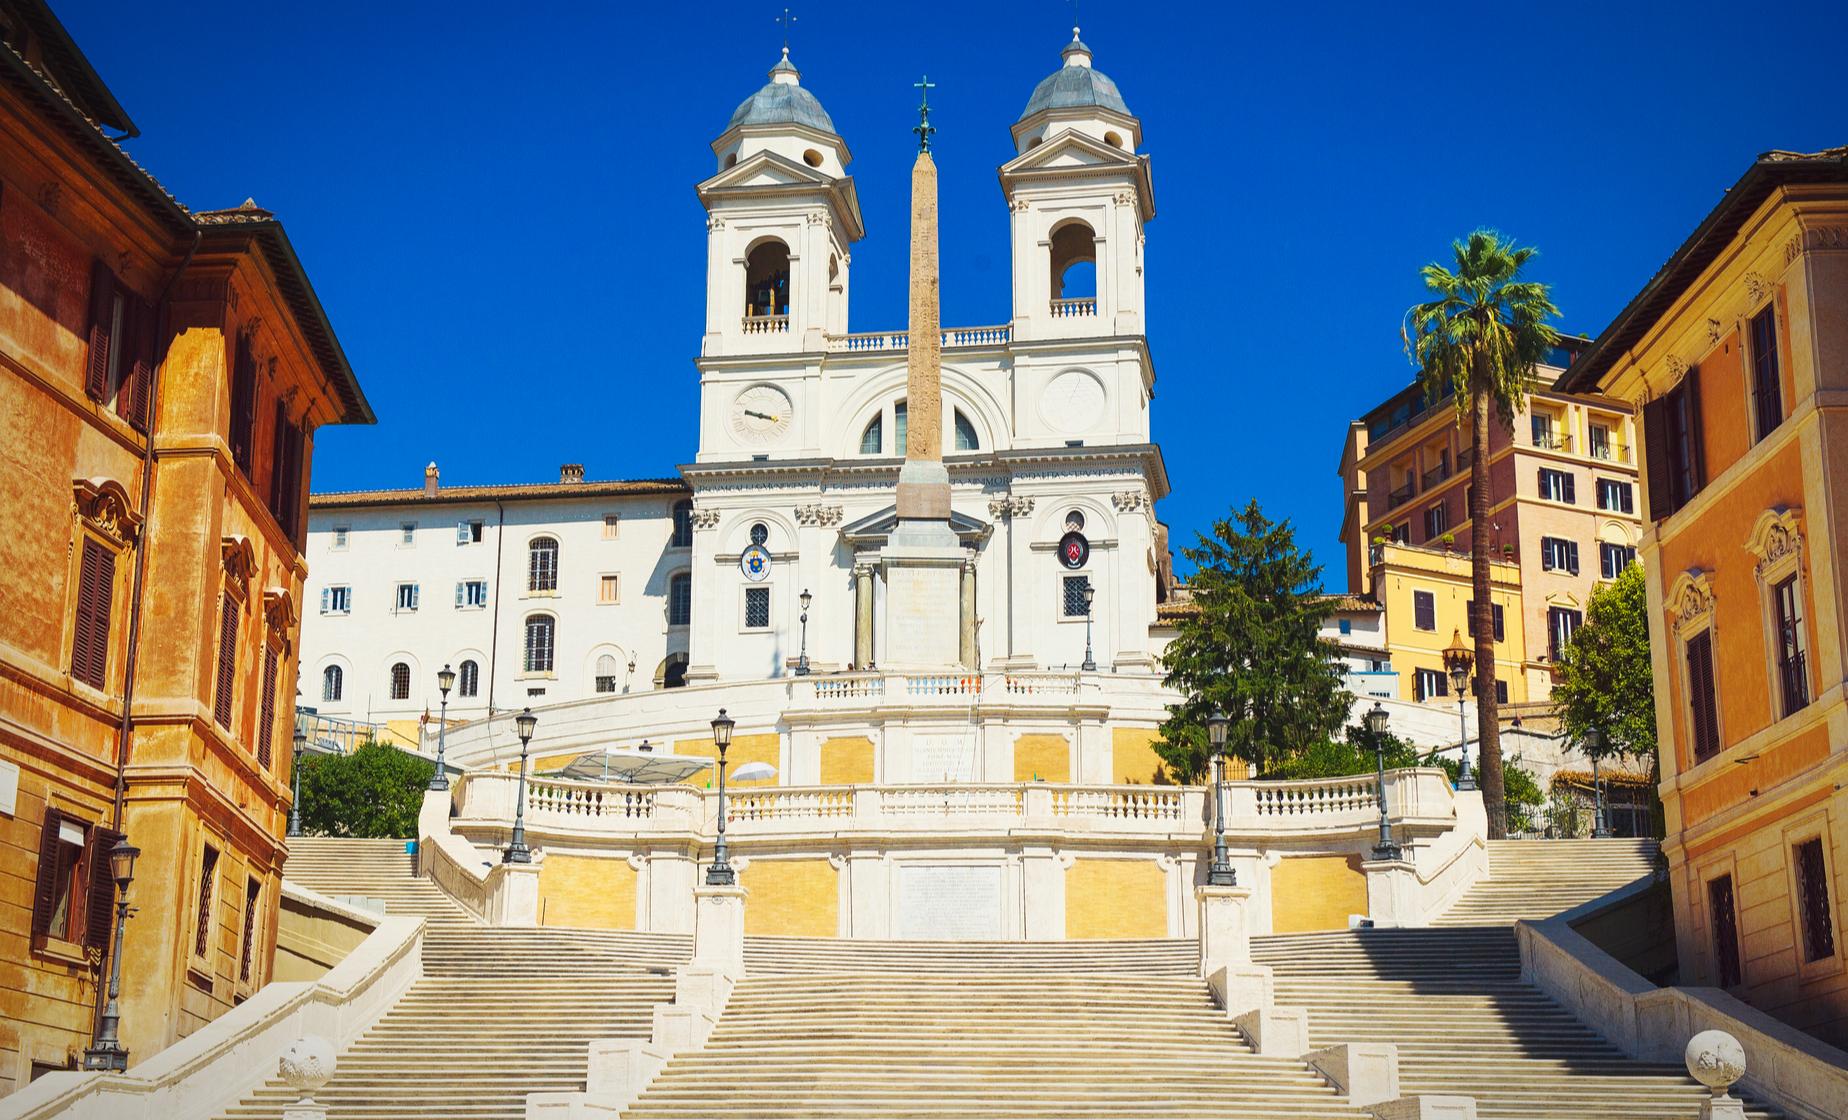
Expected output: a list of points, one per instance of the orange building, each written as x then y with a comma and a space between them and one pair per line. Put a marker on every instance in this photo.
162, 373
1737, 354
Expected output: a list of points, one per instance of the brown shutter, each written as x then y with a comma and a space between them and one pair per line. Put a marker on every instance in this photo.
132, 402
99, 889
90, 630
45, 891
1655, 447
243, 405
227, 661
1697, 433
279, 464
267, 724
102, 310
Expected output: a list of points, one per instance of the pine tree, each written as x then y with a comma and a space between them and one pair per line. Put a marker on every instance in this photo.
1252, 650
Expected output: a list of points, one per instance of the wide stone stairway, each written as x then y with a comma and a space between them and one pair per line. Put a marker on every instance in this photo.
1453, 1002
1534, 879
499, 1013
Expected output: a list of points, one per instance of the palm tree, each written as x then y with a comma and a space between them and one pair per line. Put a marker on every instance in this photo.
1480, 339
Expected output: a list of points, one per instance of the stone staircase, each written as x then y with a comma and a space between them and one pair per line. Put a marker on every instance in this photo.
780, 955
499, 1013
1000, 1035
1534, 879
1454, 1003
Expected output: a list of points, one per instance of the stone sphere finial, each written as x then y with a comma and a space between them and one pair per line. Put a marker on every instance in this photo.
1716, 1060
308, 1063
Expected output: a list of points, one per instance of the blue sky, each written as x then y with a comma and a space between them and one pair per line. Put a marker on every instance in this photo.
496, 203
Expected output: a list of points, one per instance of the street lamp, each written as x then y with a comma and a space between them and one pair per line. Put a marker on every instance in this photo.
1376, 729
1457, 661
295, 780
1220, 873
802, 665
445, 680
517, 851
1593, 745
1090, 593
108, 1053
720, 874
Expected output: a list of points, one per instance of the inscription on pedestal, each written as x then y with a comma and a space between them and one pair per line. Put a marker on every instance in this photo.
943, 758
949, 903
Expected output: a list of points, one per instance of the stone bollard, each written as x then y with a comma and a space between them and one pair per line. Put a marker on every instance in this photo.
1716, 1060
718, 930
305, 1066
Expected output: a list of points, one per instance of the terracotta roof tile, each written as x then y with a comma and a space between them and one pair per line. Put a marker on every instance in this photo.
515, 491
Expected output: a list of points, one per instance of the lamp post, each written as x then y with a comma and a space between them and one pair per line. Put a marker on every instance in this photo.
108, 1054
720, 874
1220, 873
802, 665
1376, 729
295, 781
1457, 661
1090, 593
1593, 745
517, 851
445, 680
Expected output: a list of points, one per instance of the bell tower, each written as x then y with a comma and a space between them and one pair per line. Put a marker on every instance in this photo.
1080, 195
781, 219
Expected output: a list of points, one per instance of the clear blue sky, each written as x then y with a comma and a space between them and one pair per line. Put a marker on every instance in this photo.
496, 202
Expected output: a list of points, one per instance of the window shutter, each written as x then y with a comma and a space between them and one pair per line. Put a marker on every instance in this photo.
324, 597
44, 892
227, 661
459, 585
99, 883
243, 403
266, 725
90, 631
1655, 446
132, 401
102, 309
1572, 557
279, 465
1697, 432
1571, 489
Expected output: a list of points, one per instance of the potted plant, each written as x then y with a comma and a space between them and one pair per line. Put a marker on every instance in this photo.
1450, 540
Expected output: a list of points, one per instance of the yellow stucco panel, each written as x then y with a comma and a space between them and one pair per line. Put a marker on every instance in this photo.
589, 892
1133, 757
793, 897
847, 761
1316, 892
1115, 898
767, 747
1042, 758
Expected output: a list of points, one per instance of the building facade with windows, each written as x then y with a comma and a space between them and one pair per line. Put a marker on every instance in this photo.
162, 374
1736, 354
1565, 517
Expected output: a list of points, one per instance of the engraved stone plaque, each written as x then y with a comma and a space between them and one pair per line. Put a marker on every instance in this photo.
943, 757
949, 903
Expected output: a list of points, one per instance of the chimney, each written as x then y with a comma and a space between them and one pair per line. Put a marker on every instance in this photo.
571, 472
430, 476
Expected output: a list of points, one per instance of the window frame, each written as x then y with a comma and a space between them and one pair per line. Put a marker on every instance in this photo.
1559, 554
249, 945
1430, 600
1604, 554
398, 597
1554, 643
391, 680
1813, 828
1422, 694
468, 679
466, 600
1777, 543
1715, 965
538, 572
1067, 580
1564, 488
407, 534
612, 527
331, 592
745, 595
528, 671
208, 863
680, 518
1754, 374
340, 538
470, 530
1619, 486
674, 579
336, 676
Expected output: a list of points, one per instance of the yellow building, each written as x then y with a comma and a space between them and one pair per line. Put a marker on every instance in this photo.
161, 374
1737, 354
1564, 515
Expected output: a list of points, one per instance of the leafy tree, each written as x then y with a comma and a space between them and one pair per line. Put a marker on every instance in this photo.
1480, 338
1604, 676
1348, 755
1251, 650
1524, 796
375, 790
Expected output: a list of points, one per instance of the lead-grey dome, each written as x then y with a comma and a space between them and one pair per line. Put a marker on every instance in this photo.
1076, 85
783, 101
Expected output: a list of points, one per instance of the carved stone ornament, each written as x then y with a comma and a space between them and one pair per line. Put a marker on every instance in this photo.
1691, 597
307, 1064
1776, 536
1821, 237
1009, 506
818, 515
1020, 206
705, 518
102, 505
1127, 500
1126, 198
240, 564
1677, 369
817, 218
1756, 288
279, 609
50, 194
1716, 1060
714, 224
1713, 330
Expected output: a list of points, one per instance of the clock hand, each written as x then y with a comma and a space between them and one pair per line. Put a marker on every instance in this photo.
760, 415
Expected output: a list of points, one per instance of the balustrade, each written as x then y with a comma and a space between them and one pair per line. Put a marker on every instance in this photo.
901, 340
766, 324
589, 799
1143, 803
1325, 796
1074, 308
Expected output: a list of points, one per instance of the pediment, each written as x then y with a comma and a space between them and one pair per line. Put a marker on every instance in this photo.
1069, 149
766, 169
873, 529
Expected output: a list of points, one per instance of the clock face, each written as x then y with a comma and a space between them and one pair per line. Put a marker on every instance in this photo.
1073, 402
761, 415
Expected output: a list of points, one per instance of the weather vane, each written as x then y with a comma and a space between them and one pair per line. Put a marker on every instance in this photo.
786, 19
924, 127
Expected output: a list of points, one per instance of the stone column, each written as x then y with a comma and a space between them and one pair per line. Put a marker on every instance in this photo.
862, 616
967, 595
718, 929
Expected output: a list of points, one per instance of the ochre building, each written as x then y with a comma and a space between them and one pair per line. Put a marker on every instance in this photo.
1737, 355
162, 374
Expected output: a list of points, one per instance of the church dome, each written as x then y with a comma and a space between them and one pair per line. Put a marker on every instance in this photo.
1076, 85
783, 101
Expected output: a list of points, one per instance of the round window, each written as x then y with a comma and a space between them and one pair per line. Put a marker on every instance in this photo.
760, 533
1074, 522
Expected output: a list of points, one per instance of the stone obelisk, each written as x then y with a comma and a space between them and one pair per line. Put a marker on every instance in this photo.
922, 559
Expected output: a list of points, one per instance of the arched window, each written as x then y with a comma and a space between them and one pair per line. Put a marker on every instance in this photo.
606, 673
542, 564
766, 280
468, 681
400, 681
680, 599
965, 433
1074, 262
333, 682
672, 672
872, 440
540, 635
898, 428
683, 525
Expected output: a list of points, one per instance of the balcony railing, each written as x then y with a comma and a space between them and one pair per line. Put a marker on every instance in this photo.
766, 324
1611, 452
1795, 680
1553, 441
901, 340
1435, 475
1074, 308
1402, 495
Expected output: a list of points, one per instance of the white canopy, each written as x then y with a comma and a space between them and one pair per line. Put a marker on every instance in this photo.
628, 764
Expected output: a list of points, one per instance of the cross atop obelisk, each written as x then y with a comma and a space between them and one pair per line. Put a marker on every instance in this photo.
923, 484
